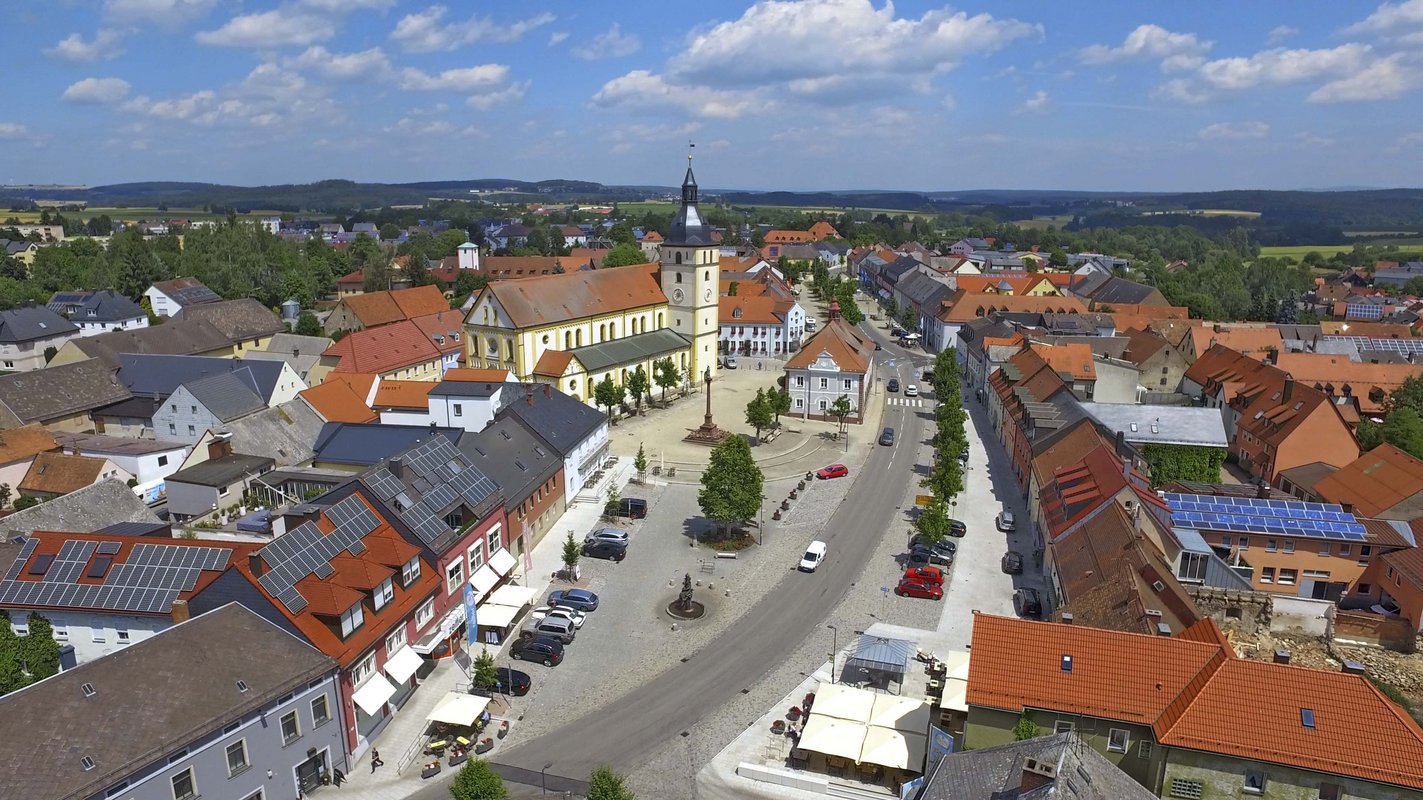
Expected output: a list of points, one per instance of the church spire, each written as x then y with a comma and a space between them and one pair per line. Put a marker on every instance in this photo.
688, 228
689, 183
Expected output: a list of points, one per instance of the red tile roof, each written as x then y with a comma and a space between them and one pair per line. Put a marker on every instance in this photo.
551, 299
1408, 562
748, 310
1252, 340
553, 363
1074, 359
1374, 482
964, 306
851, 349
56, 473
337, 401
1368, 384
18, 444
383, 308
403, 394
444, 329
383, 349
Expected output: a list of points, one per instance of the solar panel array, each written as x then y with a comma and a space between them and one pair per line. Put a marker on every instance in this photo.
440, 476
305, 550
1405, 346
1253, 515
149, 581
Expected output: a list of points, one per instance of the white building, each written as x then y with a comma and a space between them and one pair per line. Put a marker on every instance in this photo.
837, 361
149, 461
760, 325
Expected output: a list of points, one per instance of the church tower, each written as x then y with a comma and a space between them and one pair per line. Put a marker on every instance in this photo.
691, 274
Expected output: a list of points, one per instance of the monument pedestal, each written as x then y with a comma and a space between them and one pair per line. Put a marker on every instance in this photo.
708, 433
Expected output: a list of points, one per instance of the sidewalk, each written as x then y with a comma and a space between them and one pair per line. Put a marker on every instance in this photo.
403, 732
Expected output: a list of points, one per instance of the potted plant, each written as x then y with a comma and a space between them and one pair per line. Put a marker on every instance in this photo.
484, 745
503, 729
778, 727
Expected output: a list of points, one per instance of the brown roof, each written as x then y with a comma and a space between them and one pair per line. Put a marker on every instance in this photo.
1248, 339
238, 320
1374, 482
1368, 384
382, 308
553, 363
404, 394
749, 310
56, 473
1408, 562
1375, 330
382, 349
651, 236
571, 296
337, 401
964, 306
850, 348
1073, 359
177, 337
788, 237
18, 444
444, 329
507, 267
1142, 345
1222, 367
1067, 450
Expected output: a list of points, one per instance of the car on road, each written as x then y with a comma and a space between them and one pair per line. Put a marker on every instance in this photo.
1013, 562
924, 589
1005, 521
730, 362
581, 599
926, 557
832, 471
926, 375
554, 627
1027, 603
602, 548
911, 390
633, 507
512, 681
932, 575
943, 544
544, 649
617, 535
893, 385
571, 614
957, 528
887, 437
814, 556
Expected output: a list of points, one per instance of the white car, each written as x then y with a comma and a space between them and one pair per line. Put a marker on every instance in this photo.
558, 612
1006, 522
814, 555
911, 390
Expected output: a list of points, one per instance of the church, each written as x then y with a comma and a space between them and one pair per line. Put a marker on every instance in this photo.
575, 328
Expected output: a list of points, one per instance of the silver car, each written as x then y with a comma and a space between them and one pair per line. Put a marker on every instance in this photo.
607, 535
555, 627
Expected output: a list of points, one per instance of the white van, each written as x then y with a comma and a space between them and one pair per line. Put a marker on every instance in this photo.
814, 555
810, 323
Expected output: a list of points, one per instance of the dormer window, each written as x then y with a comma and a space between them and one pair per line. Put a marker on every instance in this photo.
353, 618
410, 572
383, 594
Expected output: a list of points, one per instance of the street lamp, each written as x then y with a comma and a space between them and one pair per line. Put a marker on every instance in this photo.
761, 524
835, 651
543, 788
953, 506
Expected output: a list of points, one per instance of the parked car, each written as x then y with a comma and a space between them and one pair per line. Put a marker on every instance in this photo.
911, 390
926, 375
544, 649
555, 627
571, 614
887, 437
943, 544
1013, 562
963, 456
913, 588
832, 471
617, 535
603, 548
512, 681
932, 575
633, 507
814, 556
893, 385
730, 362
957, 528
581, 599
1006, 522
1027, 603
924, 557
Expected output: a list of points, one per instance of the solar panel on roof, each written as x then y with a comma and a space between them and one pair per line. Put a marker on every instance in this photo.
109, 548
323, 571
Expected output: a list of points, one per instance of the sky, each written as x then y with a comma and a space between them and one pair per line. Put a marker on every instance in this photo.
776, 94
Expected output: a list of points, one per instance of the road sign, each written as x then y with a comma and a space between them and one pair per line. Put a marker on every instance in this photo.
923, 499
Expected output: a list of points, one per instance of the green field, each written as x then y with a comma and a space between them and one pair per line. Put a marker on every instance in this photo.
1041, 223
1298, 252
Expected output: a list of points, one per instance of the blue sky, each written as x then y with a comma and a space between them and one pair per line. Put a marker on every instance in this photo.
777, 94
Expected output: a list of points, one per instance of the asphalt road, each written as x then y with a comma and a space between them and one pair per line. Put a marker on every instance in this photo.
622, 734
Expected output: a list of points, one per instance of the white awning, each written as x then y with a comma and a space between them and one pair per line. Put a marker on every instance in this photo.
492, 615
503, 561
956, 666
511, 595
891, 748
955, 696
402, 665
458, 708
833, 737
483, 580
844, 702
899, 713
372, 694
451, 622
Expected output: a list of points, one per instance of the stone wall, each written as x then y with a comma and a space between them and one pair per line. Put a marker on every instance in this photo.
1302, 615
1244, 612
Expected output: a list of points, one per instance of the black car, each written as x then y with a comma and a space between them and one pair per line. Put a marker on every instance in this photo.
1013, 562
512, 681
925, 556
1027, 603
957, 528
893, 385
633, 507
948, 547
602, 548
887, 438
544, 649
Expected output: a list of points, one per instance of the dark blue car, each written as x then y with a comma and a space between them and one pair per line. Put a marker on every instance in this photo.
581, 599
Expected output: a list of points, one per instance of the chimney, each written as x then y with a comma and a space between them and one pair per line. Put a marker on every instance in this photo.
833, 313
256, 564
1282, 656
220, 446
1066, 618
1354, 668
296, 352
396, 465
1289, 388
1216, 328
180, 611
548, 390
1121, 443
67, 658
1036, 774
1262, 491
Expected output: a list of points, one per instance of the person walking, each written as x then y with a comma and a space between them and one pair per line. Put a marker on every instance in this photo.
375, 761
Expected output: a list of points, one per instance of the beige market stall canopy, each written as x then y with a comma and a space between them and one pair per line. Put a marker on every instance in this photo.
458, 708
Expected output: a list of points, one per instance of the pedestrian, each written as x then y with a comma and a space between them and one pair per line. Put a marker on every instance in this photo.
375, 761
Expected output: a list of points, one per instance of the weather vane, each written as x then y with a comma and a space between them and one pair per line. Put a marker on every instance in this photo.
690, 145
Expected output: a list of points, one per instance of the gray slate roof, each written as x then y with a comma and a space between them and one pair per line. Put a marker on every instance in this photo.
84, 511
301, 352
175, 337
239, 320
924, 291
639, 348
33, 324
285, 432
515, 459
365, 443
561, 421
87, 443
147, 702
56, 392
108, 306
1120, 290
223, 471
162, 374
996, 773
1202, 427
228, 395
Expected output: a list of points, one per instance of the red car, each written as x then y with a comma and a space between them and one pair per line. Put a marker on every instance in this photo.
913, 588
926, 574
833, 471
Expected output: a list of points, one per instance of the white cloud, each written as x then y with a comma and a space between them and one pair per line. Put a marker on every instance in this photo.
366, 64
1389, 18
1176, 51
162, 13
629, 138
268, 97
1308, 139
73, 47
1036, 104
1281, 66
465, 79
415, 126
428, 31
1235, 131
612, 43
1280, 34
556, 38
1384, 79
640, 89
13, 131
266, 29
1180, 91
97, 91
483, 101
341, 6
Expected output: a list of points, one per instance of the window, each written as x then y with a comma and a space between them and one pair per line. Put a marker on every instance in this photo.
61, 633
1254, 782
1192, 568
320, 711
163, 461
1324, 548
1331, 791
1366, 588
1118, 740
1188, 790
454, 576
116, 789
823, 405
1063, 726
1289, 546
1227, 541
172, 429
237, 757
846, 383
1288, 576
1271, 545
354, 617
257, 795
476, 557
99, 635
1143, 749
1245, 543
1267, 575
800, 380
183, 785
363, 670
291, 729
410, 572
383, 594
121, 636
799, 403
425, 613
1317, 574
495, 539
825, 383
173, 407
1345, 549
459, 410
192, 431
195, 409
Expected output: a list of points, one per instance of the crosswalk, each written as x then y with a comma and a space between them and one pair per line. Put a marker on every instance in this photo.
911, 402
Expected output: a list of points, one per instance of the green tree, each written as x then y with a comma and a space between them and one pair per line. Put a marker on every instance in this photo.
639, 463
638, 386
572, 551
448, 242
909, 319
5, 492
732, 484
476, 780
1025, 729
945, 477
666, 375
891, 308
1179, 462
469, 282
608, 394
849, 309
485, 675
840, 410
933, 521
732, 288
308, 325
760, 414
389, 231
23, 502
780, 401
1057, 258
624, 254
605, 784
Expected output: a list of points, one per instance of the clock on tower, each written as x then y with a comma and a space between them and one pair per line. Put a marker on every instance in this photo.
690, 272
